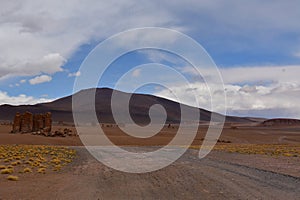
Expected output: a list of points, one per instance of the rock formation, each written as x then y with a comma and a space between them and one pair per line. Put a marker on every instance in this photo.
28, 122
58, 133
17, 123
48, 122
38, 124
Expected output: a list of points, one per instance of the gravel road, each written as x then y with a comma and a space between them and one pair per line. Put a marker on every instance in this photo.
187, 178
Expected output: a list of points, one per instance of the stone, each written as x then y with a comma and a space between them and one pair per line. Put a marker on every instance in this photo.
16, 124
38, 122
48, 122
68, 132
28, 123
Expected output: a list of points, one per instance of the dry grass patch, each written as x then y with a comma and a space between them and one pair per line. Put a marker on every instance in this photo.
7, 171
12, 178
27, 170
287, 150
34, 158
41, 170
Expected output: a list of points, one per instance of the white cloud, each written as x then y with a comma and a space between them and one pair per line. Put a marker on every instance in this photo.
250, 74
136, 73
288, 73
75, 74
297, 54
23, 81
250, 91
40, 79
243, 100
21, 99
158, 56
38, 37
44, 95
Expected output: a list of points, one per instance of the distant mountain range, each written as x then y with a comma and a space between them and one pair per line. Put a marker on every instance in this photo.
61, 109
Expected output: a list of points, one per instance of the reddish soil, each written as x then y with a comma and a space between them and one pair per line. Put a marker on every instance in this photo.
221, 175
243, 134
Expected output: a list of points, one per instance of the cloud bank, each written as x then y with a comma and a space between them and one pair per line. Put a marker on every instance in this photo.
39, 37
40, 79
21, 99
250, 91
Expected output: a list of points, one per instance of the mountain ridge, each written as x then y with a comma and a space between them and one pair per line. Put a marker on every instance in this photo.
139, 107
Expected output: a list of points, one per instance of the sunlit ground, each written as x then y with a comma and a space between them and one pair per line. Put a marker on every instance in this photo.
288, 150
17, 160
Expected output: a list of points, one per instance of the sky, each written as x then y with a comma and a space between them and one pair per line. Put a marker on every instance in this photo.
255, 44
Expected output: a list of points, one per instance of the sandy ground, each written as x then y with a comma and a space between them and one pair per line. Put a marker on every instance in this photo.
217, 176
7, 138
241, 135
221, 175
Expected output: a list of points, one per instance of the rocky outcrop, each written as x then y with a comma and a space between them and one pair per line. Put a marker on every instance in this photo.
58, 133
28, 122
48, 122
38, 124
17, 123
281, 122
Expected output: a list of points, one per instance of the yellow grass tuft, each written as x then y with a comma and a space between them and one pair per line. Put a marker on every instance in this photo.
287, 150
27, 170
2, 167
41, 170
17, 157
34, 158
15, 163
7, 171
56, 161
12, 178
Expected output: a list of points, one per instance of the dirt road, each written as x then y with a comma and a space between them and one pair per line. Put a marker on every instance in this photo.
215, 177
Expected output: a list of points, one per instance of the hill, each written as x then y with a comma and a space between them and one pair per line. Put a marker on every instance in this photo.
139, 107
281, 122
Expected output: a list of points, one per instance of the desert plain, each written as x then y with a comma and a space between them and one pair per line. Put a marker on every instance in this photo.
248, 162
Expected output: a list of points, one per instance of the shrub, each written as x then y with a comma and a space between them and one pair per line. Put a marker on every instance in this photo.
7, 171
27, 170
12, 178
41, 170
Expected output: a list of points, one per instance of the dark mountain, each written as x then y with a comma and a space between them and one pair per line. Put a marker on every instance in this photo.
139, 108
280, 122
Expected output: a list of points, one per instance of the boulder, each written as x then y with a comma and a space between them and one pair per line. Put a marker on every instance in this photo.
17, 123
28, 123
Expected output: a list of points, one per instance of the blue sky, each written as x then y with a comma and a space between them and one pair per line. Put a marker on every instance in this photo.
255, 44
